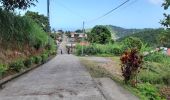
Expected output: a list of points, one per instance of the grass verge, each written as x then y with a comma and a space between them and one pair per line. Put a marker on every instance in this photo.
97, 71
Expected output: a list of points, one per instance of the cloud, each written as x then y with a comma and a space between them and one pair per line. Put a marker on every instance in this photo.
156, 2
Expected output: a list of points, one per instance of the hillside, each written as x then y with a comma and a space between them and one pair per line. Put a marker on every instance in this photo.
150, 36
119, 32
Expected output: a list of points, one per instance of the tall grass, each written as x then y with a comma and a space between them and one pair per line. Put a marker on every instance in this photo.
99, 49
17, 31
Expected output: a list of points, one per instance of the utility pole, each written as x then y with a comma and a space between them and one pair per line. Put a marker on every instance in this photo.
82, 39
48, 14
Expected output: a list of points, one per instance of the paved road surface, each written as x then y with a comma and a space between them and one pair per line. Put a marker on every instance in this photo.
62, 78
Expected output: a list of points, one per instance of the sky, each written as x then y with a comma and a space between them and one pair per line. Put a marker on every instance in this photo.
70, 14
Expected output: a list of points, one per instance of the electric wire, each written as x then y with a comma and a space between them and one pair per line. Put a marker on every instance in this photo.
108, 12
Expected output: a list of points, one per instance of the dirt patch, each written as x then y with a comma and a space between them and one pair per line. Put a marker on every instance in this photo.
110, 64
9, 55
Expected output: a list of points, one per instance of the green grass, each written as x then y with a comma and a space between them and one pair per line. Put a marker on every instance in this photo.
100, 50
142, 91
18, 31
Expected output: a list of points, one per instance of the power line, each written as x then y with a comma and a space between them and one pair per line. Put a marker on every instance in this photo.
109, 12
70, 10
133, 2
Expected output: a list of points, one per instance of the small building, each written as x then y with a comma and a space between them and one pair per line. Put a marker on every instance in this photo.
78, 35
168, 52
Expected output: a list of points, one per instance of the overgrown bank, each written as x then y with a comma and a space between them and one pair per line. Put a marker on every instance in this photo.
22, 43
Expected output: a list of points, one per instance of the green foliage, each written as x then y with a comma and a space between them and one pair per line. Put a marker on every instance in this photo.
155, 73
148, 36
164, 38
157, 57
17, 65
17, 4
149, 92
38, 59
132, 42
117, 51
17, 31
44, 57
166, 21
119, 32
99, 49
99, 34
41, 20
28, 62
3, 68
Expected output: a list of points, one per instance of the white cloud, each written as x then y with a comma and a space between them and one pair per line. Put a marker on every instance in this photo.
156, 2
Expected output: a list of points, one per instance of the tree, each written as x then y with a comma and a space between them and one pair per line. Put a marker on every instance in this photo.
99, 34
79, 31
166, 21
20, 4
164, 38
41, 20
132, 42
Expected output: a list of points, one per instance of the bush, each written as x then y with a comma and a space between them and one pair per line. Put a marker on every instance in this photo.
132, 42
99, 49
157, 57
44, 57
116, 51
17, 65
149, 91
3, 68
28, 62
38, 59
131, 62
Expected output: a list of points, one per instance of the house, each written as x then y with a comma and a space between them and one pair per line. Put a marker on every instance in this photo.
165, 50
168, 52
78, 35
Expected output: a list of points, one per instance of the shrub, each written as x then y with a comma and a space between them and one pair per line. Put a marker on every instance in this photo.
157, 57
132, 42
3, 68
99, 49
28, 62
38, 59
44, 57
17, 65
130, 65
149, 91
116, 51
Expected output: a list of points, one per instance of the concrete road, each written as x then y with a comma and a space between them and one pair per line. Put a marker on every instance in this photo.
62, 78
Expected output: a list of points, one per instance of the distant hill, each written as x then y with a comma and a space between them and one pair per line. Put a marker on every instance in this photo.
149, 36
119, 32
